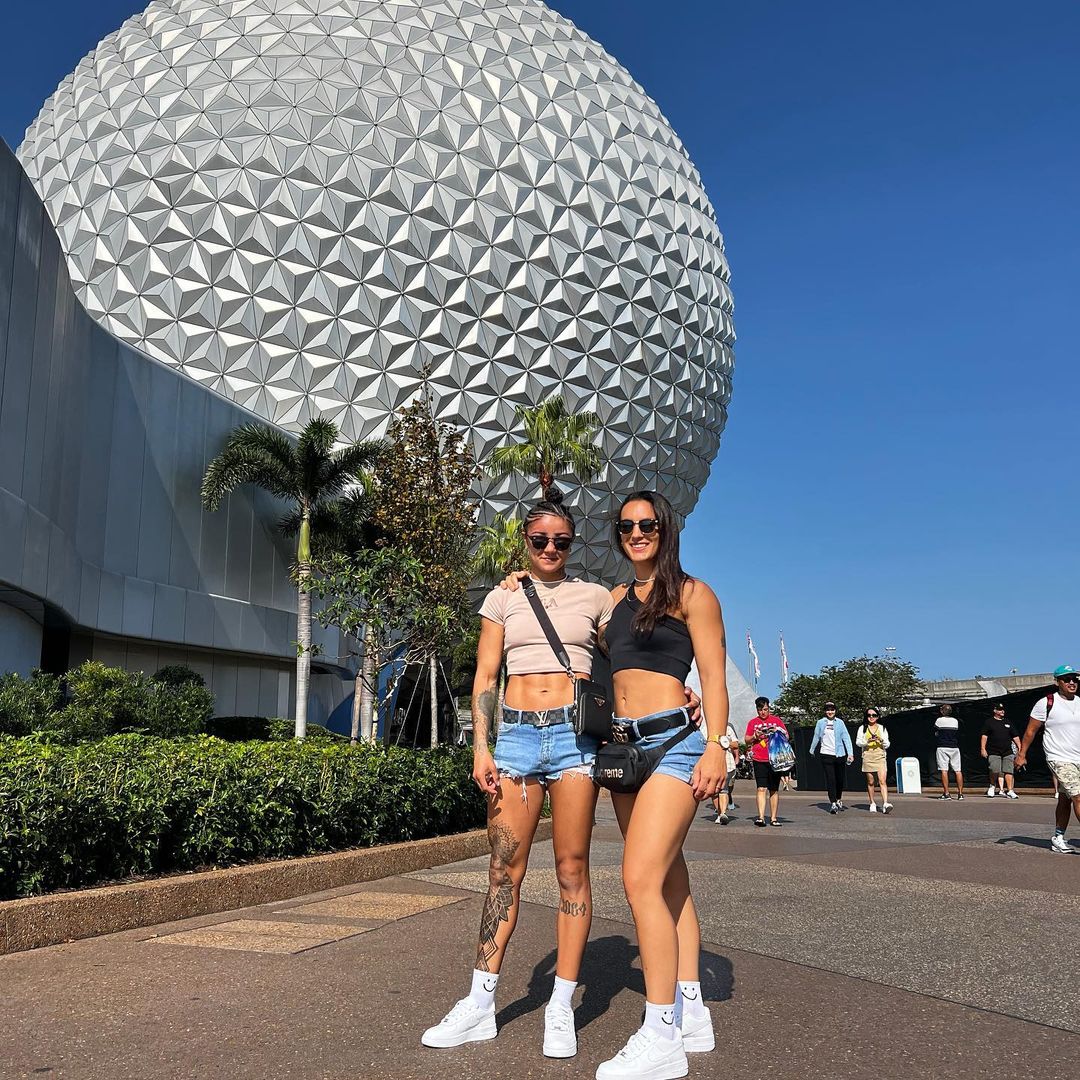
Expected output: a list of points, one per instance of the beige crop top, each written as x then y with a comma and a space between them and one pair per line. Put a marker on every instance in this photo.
576, 609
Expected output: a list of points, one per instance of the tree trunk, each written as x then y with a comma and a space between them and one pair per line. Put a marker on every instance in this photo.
368, 727
303, 653
357, 706
303, 624
434, 667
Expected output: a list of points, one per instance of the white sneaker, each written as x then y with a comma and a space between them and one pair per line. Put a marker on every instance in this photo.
887, 808
560, 1038
873, 808
697, 1033
1011, 795
648, 1055
1061, 845
464, 1023
991, 792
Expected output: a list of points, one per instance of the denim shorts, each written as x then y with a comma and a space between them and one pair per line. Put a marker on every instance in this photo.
527, 752
681, 759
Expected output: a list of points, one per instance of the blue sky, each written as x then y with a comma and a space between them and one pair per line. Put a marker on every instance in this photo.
897, 188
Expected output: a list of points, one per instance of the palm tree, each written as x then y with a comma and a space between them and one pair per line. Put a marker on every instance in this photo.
501, 549
555, 441
310, 474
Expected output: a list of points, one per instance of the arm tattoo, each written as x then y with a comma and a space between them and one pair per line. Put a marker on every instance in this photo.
723, 641
500, 897
570, 907
483, 712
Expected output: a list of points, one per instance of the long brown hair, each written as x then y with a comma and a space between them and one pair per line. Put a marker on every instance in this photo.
670, 577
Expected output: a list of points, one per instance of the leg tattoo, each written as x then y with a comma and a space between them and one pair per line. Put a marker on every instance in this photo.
500, 897
570, 907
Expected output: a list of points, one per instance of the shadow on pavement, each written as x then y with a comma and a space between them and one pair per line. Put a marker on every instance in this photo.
1026, 841
605, 971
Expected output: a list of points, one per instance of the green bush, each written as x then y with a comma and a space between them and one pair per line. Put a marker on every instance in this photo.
103, 701
177, 675
27, 704
174, 710
128, 805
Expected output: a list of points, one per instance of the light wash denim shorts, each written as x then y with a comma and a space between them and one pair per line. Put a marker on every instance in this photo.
528, 752
681, 759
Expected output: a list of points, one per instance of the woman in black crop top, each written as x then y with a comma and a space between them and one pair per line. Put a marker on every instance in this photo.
663, 621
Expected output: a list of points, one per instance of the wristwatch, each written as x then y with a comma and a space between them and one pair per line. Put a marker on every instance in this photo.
723, 740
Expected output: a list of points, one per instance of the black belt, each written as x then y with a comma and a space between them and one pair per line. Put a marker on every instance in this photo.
632, 730
560, 714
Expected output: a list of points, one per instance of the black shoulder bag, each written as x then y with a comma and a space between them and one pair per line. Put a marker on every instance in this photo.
623, 767
592, 702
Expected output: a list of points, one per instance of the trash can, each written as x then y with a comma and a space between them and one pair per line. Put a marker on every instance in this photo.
908, 776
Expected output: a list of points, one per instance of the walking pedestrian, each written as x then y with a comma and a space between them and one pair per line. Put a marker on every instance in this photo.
873, 738
999, 744
1058, 714
724, 799
766, 778
947, 736
832, 741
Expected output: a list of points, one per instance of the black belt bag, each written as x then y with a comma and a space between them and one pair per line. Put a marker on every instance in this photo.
623, 767
592, 702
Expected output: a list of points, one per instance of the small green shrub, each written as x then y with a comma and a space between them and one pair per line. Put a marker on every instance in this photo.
178, 709
101, 700
177, 675
27, 704
132, 804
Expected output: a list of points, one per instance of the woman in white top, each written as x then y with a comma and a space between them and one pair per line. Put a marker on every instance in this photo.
873, 739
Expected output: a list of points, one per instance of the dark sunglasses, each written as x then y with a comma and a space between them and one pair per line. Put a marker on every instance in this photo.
647, 526
539, 541
1061, 678
999, 708
872, 714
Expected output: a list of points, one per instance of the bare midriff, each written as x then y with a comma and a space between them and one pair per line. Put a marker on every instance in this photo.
639, 692
534, 693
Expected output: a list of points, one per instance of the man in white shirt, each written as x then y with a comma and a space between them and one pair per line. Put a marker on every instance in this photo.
1058, 715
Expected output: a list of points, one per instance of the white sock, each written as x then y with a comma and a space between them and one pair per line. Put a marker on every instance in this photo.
661, 1018
689, 1000
482, 994
563, 992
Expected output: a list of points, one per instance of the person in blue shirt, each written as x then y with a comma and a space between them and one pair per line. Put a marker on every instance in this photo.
832, 743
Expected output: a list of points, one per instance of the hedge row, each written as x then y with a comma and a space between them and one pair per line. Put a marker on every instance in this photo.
94, 700
73, 816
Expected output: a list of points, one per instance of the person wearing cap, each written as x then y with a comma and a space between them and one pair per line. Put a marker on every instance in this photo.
947, 735
998, 744
1058, 715
832, 741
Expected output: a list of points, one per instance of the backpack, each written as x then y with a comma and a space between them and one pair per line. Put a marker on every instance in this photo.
1049, 705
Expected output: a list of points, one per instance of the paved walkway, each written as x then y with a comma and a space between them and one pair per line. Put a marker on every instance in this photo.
938, 941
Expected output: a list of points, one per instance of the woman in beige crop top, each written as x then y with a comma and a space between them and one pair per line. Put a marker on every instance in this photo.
536, 749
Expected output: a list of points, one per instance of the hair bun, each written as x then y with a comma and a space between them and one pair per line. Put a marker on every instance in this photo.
554, 496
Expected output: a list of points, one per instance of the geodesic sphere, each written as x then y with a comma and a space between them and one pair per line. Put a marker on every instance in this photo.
312, 205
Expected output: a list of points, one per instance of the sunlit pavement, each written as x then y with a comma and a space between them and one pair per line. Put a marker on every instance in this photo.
939, 940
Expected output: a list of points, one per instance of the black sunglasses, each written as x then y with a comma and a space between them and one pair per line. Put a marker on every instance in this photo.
872, 714
539, 541
647, 526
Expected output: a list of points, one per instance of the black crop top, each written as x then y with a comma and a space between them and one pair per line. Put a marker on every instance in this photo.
667, 650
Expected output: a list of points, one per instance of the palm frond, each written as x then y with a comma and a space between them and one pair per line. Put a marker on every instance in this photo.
253, 454
518, 458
